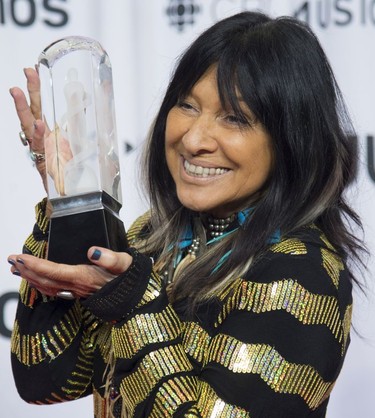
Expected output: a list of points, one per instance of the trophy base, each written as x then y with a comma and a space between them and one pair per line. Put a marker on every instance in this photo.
72, 235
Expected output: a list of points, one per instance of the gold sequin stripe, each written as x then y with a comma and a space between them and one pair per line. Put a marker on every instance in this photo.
145, 329
38, 248
291, 246
210, 405
346, 326
55, 398
152, 290
104, 341
331, 261
33, 349
82, 374
172, 394
137, 227
28, 295
193, 412
279, 374
154, 366
287, 295
100, 406
333, 265
195, 341
41, 218
327, 243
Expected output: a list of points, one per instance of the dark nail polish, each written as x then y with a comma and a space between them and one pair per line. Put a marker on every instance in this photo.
19, 260
16, 273
96, 255
12, 262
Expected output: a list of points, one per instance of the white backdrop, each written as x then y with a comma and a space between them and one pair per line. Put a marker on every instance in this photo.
143, 39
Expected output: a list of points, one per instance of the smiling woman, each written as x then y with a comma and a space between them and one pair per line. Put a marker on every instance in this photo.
234, 299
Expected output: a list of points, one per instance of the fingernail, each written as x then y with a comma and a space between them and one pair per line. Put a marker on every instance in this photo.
19, 260
11, 91
12, 262
16, 273
96, 255
35, 125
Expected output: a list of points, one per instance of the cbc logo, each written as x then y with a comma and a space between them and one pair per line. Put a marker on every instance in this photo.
182, 13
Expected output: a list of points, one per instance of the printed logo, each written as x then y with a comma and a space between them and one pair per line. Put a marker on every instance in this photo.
182, 13
339, 13
27, 13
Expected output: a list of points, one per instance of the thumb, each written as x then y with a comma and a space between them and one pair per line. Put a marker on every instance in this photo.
112, 261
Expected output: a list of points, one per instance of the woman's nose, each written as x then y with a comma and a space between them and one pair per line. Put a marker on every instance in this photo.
200, 136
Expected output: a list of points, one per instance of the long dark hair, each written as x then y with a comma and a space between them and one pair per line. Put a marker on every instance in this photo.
281, 72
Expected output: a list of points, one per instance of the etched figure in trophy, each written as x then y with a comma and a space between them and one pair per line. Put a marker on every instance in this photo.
83, 170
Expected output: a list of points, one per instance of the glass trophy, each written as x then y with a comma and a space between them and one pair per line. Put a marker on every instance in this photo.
82, 160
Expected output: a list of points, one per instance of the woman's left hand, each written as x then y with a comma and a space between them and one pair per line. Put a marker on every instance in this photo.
81, 280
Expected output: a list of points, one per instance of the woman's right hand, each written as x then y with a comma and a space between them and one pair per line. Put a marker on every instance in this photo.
29, 115
40, 138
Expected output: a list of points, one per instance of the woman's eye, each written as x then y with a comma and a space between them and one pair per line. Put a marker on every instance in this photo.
236, 120
185, 105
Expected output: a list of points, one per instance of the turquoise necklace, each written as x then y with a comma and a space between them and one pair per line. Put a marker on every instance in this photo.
217, 229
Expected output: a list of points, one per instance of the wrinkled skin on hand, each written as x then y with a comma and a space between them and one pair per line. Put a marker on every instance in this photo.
82, 280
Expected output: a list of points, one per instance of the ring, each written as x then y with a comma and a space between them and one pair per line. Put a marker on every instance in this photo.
23, 138
65, 294
37, 157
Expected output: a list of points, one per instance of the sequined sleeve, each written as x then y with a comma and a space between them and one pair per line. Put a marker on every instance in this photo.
53, 340
270, 345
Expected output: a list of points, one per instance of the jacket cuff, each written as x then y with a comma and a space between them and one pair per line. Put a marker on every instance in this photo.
120, 296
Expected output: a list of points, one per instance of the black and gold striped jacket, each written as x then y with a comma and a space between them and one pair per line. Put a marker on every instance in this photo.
270, 345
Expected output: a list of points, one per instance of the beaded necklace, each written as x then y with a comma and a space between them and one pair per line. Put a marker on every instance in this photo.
217, 228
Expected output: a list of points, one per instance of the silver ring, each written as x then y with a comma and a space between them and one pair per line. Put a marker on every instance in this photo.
65, 294
37, 157
23, 138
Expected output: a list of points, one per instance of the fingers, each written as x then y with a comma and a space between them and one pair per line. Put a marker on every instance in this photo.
82, 280
23, 111
44, 275
37, 143
33, 87
44, 285
27, 114
114, 262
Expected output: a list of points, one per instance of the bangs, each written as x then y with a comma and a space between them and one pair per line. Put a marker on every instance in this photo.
236, 87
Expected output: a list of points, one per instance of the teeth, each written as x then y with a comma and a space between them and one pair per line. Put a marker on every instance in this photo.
199, 171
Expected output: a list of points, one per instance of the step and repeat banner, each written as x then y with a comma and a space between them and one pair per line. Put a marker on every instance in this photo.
143, 39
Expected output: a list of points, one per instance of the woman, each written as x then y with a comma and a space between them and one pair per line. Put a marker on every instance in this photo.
234, 298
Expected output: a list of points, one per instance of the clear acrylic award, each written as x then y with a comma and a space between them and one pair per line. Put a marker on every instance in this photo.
82, 160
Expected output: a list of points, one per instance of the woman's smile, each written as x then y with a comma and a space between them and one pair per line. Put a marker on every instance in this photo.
203, 171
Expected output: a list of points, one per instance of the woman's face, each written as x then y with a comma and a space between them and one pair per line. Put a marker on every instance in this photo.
218, 163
